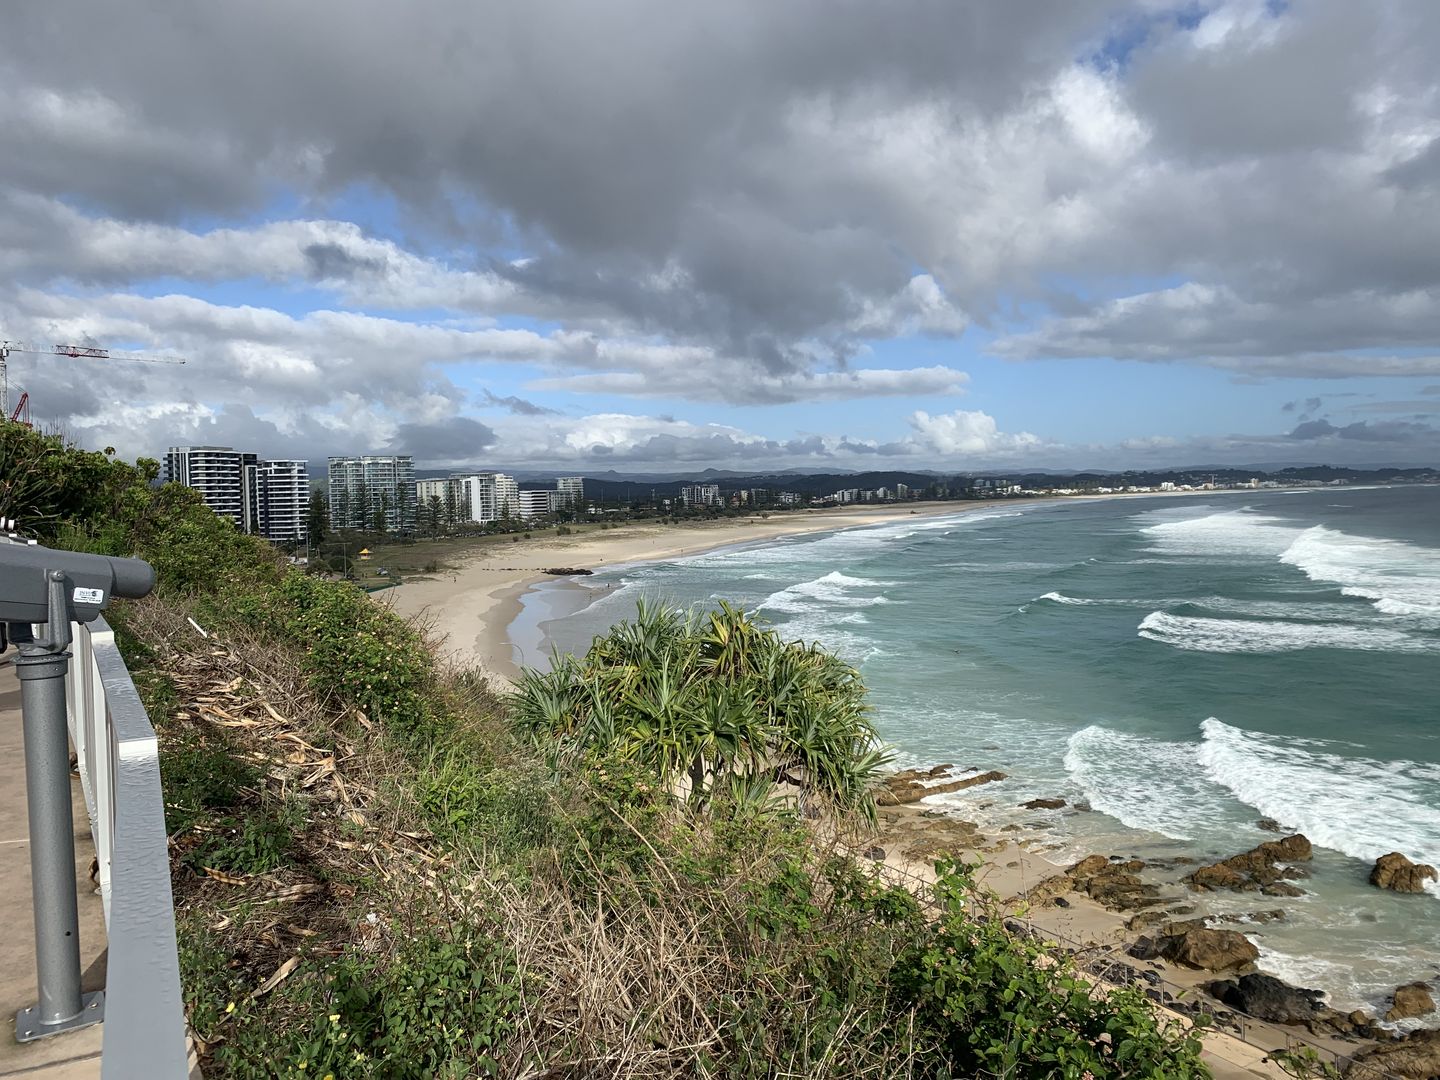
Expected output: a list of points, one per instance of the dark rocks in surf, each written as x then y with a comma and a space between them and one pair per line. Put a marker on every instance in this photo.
1398, 874
1259, 868
567, 571
912, 785
1410, 1001
1269, 824
1268, 998
1043, 804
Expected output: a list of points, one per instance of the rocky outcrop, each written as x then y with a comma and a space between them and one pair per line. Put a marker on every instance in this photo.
1112, 884
1198, 946
1043, 804
1268, 998
912, 785
567, 571
1415, 1057
1259, 868
1398, 874
1410, 1001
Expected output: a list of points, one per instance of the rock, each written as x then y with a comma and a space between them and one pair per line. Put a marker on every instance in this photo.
1272, 915
1399, 874
1089, 866
1061, 902
875, 854
1203, 948
1415, 1057
1043, 804
1281, 888
910, 786
1145, 920
1410, 1001
1269, 824
1254, 869
1268, 998
567, 571
1360, 1018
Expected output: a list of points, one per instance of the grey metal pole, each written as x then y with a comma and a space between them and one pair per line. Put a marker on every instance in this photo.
61, 1006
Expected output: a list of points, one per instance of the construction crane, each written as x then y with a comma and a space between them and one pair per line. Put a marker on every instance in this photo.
74, 351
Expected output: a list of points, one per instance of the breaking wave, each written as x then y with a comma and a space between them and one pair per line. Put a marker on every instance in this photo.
1198, 634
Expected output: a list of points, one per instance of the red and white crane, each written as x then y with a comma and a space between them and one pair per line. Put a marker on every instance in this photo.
75, 351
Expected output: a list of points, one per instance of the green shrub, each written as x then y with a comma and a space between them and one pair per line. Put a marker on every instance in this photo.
200, 778
255, 842
720, 702
1002, 1006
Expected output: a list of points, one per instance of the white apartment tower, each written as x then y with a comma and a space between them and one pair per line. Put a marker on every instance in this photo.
283, 500
492, 496
223, 477
701, 495
534, 504
269, 498
570, 491
366, 490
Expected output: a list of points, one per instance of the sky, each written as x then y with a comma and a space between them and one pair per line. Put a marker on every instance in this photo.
647, 236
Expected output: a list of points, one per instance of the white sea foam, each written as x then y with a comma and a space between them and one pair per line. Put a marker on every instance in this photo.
1398, 577
833, 589
1144, 783
1275, 635
1361, 807
1061, 598
1229, 535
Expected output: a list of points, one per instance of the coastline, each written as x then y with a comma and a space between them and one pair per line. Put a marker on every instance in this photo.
470, 608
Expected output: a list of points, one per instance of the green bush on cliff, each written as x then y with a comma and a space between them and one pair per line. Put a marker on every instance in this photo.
718, 701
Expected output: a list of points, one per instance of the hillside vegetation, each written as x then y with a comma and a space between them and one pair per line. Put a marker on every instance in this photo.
384, 869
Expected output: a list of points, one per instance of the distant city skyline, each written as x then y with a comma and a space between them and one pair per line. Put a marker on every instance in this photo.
753, 236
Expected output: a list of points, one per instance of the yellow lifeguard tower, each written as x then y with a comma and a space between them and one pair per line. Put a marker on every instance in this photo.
364, 554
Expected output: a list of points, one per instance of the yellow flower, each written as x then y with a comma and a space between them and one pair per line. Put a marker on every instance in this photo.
229, 1008
334, 1018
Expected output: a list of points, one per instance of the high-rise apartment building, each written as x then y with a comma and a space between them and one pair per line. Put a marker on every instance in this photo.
571, 492
700, 495
373, 490
268, 498
534, 504
282, 500
223, 477
492, 496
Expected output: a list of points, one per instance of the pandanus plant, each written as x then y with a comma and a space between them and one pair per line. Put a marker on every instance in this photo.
711, 704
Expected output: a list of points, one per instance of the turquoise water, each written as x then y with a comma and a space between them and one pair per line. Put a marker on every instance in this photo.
1183, 666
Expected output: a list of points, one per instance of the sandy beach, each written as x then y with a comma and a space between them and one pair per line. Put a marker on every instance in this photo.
469, 607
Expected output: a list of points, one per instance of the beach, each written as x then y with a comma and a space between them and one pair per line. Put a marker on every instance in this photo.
469, 607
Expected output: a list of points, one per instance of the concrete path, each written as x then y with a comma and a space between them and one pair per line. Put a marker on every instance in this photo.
74, 1055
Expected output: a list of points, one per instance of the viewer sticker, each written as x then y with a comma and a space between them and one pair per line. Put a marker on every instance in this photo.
88, 596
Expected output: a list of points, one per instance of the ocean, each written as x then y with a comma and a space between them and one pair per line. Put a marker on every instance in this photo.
1182, 666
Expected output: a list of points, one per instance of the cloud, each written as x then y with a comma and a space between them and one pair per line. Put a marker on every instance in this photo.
668, 378
457, 439
1385, 431
517, 405
967, 433
1211, 325
733, 206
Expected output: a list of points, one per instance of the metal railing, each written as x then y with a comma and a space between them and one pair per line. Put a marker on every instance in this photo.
144, 1027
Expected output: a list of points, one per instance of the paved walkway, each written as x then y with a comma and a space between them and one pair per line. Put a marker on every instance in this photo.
74, 1055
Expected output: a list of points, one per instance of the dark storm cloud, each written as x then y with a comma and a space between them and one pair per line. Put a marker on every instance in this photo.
517, 405
1383, 431
456, 438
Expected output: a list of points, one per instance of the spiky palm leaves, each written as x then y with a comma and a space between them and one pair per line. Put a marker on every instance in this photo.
720, 702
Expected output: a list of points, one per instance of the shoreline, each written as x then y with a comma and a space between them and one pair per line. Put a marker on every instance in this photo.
471, 607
